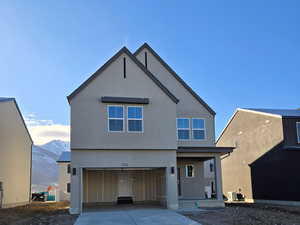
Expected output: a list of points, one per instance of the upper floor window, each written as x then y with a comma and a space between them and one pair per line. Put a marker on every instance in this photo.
135, 119
115, 118
69, 168
183, 129
198, 129
298, 131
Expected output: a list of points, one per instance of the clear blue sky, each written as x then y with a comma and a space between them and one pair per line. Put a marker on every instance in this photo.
232, 53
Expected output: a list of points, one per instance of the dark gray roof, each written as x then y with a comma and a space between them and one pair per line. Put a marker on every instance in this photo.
138, 63
205, 149
64, 157
5, 99
280, 112
176, 76
8, 99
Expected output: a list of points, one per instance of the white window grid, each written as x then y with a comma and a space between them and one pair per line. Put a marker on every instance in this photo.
142, 119
204, 129
115, 118
189, 128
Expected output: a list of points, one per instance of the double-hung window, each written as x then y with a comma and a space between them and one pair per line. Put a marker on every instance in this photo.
135, 119
183, 129
298, 131
115, 118
198, 129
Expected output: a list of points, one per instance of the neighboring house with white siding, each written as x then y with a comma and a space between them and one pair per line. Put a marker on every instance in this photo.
15, 156
140, 134
64, 176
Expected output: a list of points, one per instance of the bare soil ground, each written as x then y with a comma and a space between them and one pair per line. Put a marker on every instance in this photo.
249, 214
38, 213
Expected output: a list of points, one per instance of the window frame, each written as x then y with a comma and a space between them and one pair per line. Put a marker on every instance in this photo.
211, 167
68, 187
68, 168
192, 129
142, 119
189, 129
187, 171
298, 133
115, 118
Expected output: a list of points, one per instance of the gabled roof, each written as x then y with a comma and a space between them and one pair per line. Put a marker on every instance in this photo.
64, 157
176, 76
139, 64
5, 99
279, 112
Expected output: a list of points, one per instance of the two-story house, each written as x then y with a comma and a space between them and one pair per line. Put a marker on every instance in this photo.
15, 156
265, 163
140, 134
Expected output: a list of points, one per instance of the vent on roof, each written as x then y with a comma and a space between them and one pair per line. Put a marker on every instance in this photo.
146, 60
124, 67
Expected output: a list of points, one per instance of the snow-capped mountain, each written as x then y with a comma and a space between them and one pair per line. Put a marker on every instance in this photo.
44, 166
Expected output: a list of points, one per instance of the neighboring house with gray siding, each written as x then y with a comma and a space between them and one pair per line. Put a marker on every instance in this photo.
64, 176
140, 133
265, 162
15, 156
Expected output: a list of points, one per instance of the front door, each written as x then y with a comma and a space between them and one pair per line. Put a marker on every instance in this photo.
125, 184
178, 181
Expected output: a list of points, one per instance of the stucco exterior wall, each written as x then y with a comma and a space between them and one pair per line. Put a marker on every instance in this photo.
89, 115
63, 179
15, 156
192, 187
188, 106
252, 135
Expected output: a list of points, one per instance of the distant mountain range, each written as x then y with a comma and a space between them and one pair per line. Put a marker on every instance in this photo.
44, 166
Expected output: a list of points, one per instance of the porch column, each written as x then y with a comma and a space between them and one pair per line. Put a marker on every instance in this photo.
218, 173
171, 188
75, 207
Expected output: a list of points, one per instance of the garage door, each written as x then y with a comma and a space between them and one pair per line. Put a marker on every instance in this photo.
106, 185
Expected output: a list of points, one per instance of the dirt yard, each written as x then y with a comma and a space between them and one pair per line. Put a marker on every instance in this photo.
233, 214
249, 214
38, 213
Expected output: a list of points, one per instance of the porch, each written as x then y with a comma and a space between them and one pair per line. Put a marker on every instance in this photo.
199, 176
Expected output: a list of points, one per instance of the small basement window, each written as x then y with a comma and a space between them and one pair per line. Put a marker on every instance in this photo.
189, 171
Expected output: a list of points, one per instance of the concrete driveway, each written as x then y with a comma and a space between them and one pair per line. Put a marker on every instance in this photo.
134, 217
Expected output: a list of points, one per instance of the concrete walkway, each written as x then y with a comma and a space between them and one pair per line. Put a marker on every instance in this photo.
134, 217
